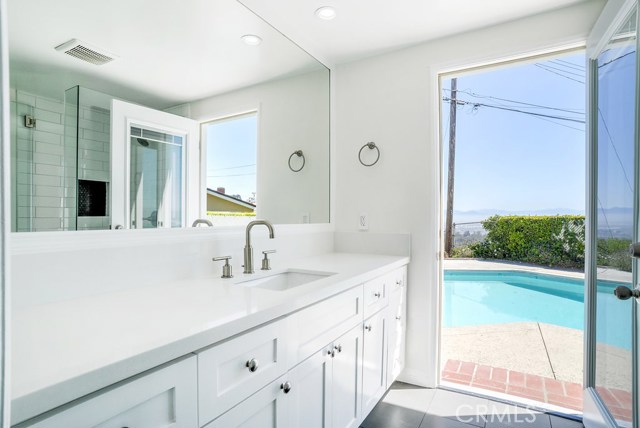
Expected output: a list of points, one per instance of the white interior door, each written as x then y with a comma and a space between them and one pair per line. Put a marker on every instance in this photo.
155, 178
611, 343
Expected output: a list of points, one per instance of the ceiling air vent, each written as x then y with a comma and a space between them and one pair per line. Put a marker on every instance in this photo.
81, 50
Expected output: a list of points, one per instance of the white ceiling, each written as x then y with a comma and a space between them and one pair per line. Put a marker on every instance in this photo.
169, 51
368, 27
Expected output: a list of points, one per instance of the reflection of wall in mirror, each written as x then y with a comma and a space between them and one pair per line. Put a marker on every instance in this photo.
293, 115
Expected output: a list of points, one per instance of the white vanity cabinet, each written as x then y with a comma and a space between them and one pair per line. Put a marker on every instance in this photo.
267, 408
163, 398
397, 321
323, 366
231, 371
374, 357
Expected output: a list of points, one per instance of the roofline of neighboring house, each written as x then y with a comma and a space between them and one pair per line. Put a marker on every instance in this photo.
230, 198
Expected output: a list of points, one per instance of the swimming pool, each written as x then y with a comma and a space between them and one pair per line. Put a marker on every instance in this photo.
474, 298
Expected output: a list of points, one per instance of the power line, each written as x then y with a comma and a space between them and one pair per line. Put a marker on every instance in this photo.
616, 59
473, 94
559, 74
561, 70
581, 66
234, 167
230, 175
615, 150
567, 64
559, 124
474, 104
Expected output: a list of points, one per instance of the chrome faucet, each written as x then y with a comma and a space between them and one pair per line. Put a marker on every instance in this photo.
202, 221
248, 249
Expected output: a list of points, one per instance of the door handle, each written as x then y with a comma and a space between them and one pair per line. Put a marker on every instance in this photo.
634, 250
625, 293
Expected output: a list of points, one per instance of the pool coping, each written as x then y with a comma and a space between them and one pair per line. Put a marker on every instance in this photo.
606, 274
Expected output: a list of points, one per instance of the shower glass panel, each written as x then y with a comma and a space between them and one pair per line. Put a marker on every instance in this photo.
156, 178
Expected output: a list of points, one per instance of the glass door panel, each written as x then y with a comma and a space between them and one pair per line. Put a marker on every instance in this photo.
156, 179
614, 117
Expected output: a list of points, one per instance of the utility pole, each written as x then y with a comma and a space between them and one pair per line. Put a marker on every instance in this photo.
453, 104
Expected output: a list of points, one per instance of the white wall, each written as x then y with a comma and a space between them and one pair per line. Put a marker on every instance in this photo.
393, 100
293, 115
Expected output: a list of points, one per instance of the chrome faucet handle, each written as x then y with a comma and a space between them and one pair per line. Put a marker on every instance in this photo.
226, 269
266, 263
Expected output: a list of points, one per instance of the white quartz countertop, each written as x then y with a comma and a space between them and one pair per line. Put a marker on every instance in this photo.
65, 350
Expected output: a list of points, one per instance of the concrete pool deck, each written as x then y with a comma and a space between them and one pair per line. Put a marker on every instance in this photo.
552, 353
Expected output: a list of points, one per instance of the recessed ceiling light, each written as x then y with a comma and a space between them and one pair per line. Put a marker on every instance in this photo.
326, 12
251, 39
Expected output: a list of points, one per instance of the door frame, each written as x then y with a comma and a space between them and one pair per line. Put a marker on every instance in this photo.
595, 413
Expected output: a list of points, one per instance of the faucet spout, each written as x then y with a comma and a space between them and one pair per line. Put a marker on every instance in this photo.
248, 249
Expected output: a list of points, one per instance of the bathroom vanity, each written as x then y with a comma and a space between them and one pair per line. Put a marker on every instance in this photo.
215, 352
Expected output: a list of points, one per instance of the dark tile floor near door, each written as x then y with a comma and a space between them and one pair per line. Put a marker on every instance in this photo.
409, 406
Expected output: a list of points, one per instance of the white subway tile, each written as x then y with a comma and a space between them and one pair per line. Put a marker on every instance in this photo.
93, 155
24, 178
47, 224
46, 180
47, 201
54, 128
47, 137
50, 105
47, 116
51, 149
49, 170
49, 191
25, 98
47, 159
90, 145
42, 212
95, 136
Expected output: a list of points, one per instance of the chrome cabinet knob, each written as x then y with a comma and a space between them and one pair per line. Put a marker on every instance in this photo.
377, 294
338, 348
399, 282
252, 365
368, 327
398, 317
286, 387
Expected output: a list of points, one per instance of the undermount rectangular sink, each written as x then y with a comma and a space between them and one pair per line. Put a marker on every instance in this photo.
284, 280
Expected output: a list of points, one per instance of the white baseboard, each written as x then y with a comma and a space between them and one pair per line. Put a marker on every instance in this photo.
415, 377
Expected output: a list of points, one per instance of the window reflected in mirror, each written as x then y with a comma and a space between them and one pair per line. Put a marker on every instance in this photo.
231, 163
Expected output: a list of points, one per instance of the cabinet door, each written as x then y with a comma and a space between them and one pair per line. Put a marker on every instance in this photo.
374, 380
309, 403
346, 380
264, 409
163, 398
397, 332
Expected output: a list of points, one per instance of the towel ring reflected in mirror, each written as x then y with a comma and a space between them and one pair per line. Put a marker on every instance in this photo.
371, 145
300, 155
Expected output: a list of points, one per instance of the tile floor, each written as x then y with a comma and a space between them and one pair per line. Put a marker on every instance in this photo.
409, 406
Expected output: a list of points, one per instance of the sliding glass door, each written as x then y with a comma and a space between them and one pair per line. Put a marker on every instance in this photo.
611, 345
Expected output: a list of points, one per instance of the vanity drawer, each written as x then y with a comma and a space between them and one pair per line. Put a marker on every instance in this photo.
314, 327
233, 370
165, 397
397, 279
375, 295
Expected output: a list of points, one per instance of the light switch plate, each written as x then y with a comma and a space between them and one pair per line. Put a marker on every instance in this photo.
363, 221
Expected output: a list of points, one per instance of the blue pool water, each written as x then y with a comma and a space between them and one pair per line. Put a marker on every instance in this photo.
494, 297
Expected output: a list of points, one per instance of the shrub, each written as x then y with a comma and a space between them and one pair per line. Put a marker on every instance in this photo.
464, 252
614, 252
545, 240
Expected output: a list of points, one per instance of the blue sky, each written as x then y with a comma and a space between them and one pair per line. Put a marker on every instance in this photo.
231, 155
512, 161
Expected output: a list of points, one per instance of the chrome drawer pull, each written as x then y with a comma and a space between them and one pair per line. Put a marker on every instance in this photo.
377, 294
286, 387
252, 365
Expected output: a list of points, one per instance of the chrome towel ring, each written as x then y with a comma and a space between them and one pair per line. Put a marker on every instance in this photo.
300, 155
371, 145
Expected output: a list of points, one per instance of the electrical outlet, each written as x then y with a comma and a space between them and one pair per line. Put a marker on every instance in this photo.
363, 221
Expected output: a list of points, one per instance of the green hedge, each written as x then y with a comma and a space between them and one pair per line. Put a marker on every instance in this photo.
614, 253
545, 240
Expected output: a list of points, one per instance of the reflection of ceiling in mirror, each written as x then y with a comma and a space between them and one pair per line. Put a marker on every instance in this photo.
168, 52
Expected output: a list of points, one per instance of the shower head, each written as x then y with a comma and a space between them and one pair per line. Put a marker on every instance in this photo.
143, 142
